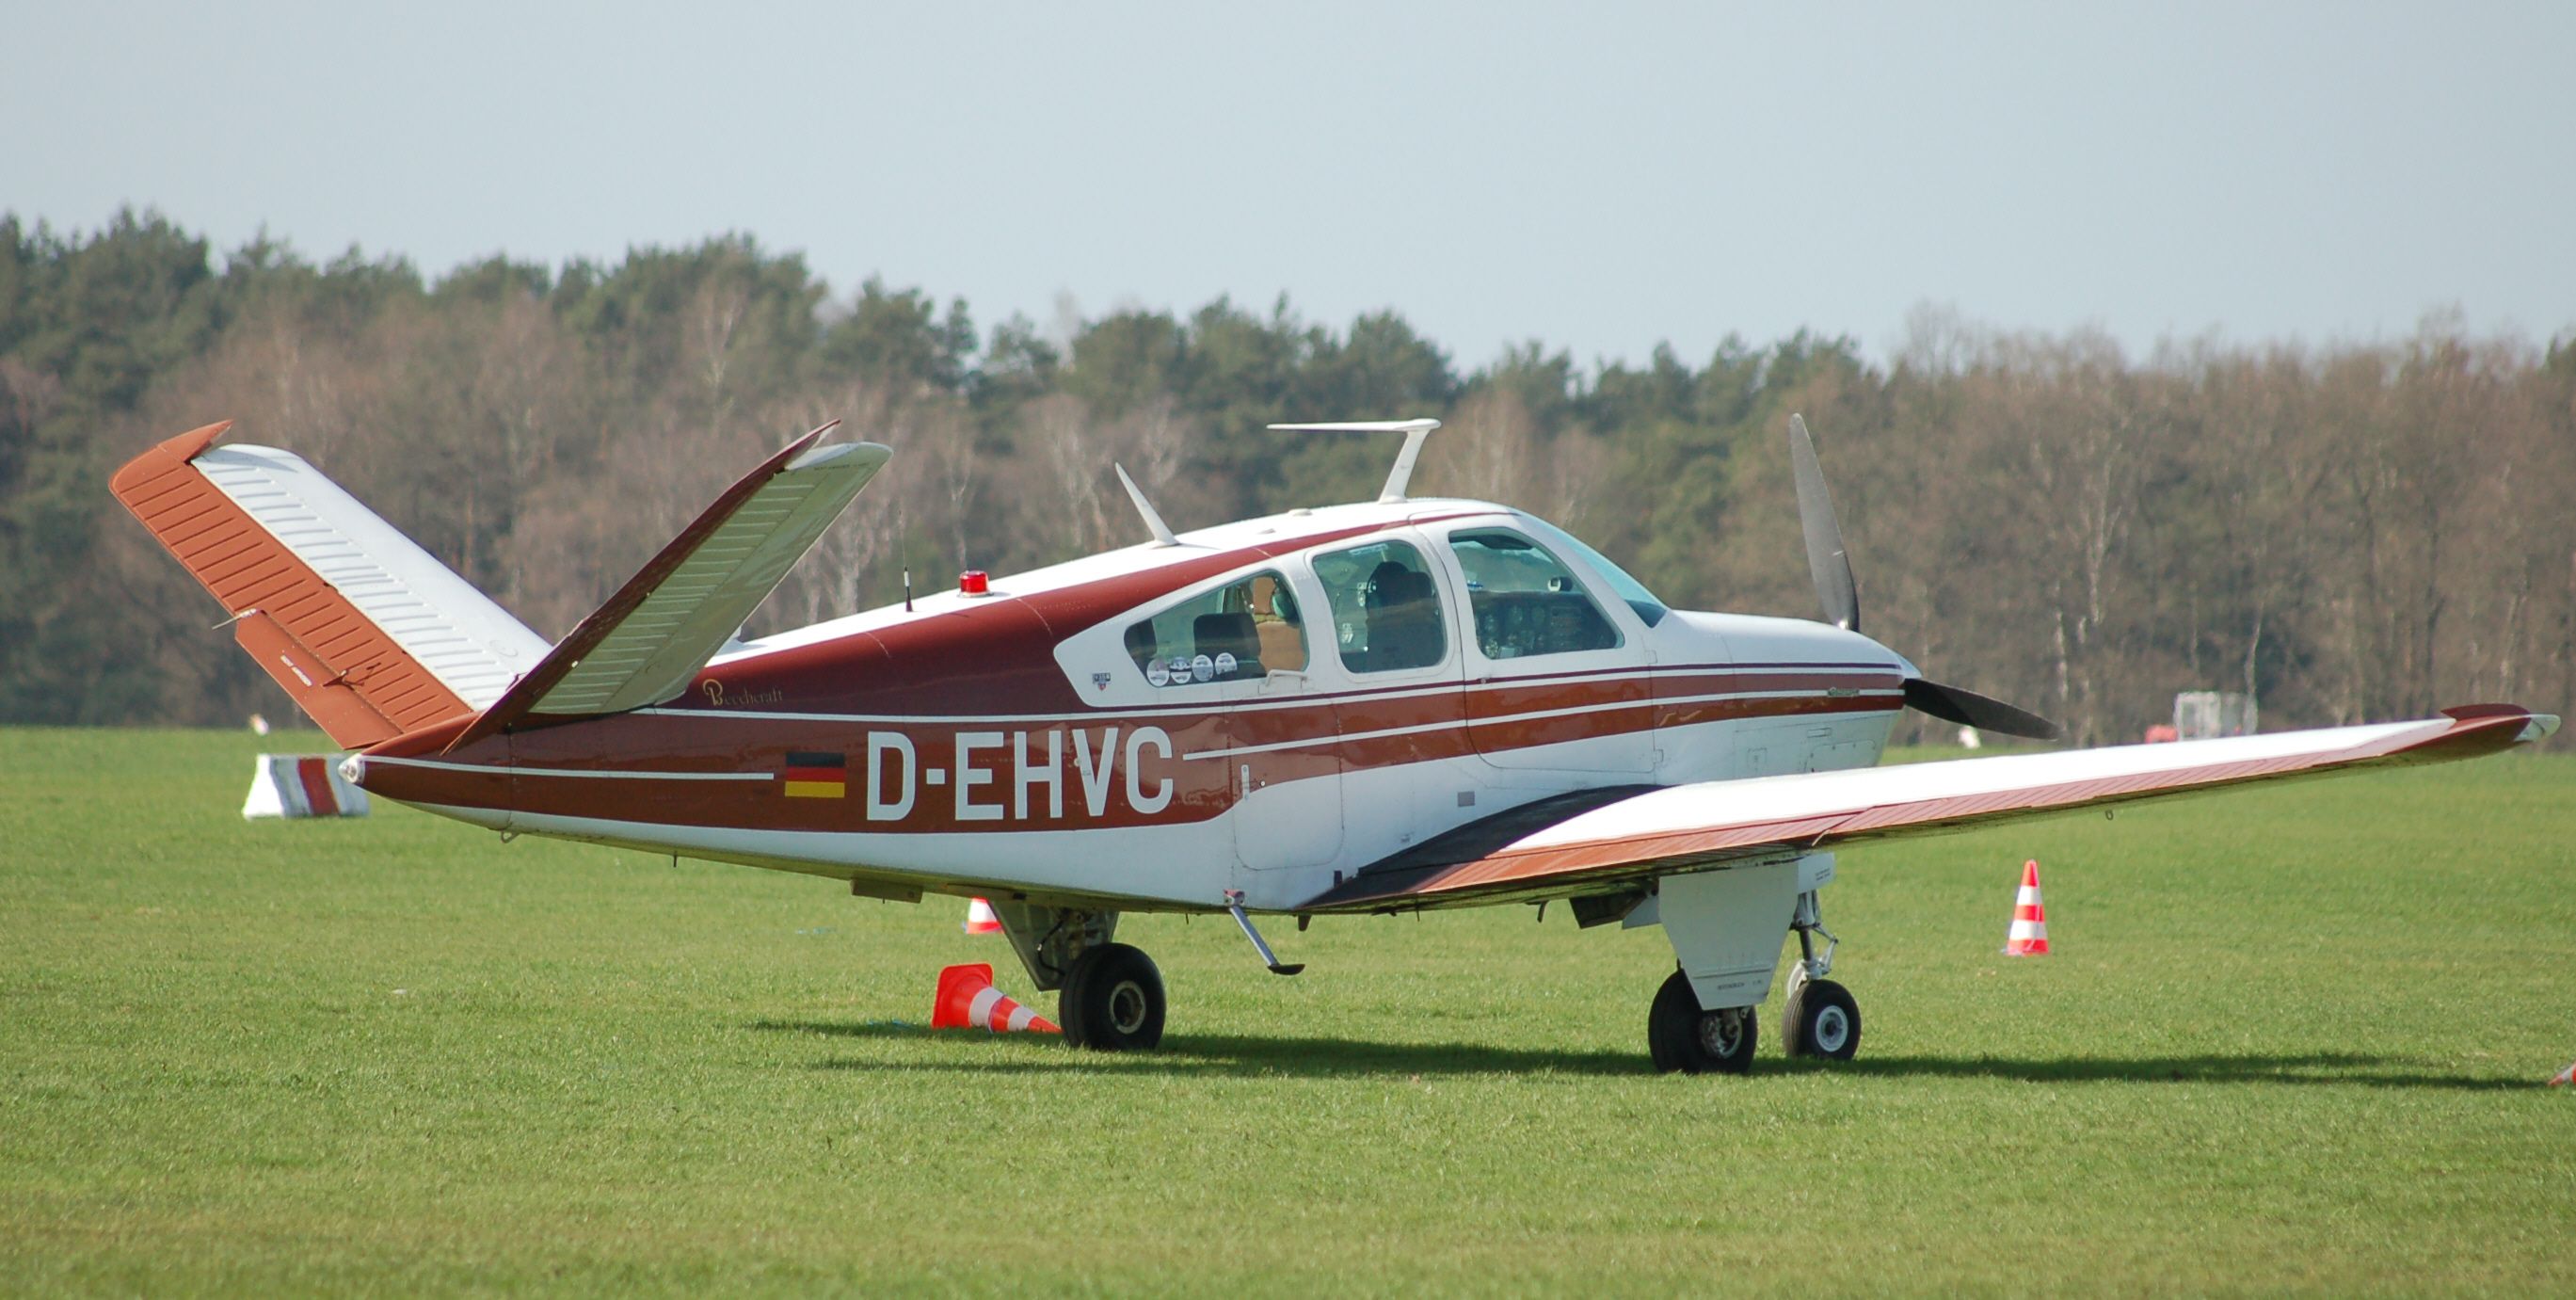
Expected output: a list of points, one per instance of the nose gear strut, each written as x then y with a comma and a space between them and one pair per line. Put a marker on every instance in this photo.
1808, 921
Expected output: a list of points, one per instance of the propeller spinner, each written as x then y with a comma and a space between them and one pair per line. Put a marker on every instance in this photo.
1830, 564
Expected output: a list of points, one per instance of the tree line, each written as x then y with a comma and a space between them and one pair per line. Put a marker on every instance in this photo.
2348, 532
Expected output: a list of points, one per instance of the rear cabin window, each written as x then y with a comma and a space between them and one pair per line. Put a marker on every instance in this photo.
1525, 603
1235, 633
1386, 612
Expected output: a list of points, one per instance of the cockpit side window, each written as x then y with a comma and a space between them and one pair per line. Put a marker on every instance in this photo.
1386, 609
1242, 631
1525, 602
1650, 611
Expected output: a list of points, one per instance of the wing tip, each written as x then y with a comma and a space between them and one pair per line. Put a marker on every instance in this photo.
2475, 731
2535, 726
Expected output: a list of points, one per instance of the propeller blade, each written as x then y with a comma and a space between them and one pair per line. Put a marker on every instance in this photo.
1969, 709
1826, 559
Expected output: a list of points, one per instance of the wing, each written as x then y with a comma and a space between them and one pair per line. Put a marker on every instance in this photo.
1575, 843
653, 636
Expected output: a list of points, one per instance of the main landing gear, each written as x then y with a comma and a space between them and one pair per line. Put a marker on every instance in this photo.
1705, 1017
1682, 1037
1112, 1000
1109, 997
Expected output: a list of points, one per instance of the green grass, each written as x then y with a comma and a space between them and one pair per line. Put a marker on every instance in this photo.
2292, 1040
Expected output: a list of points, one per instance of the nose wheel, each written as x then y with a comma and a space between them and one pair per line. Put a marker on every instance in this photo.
1820, 1020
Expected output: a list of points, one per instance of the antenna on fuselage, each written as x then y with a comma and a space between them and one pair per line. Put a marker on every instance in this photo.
1153, 519
1414, 431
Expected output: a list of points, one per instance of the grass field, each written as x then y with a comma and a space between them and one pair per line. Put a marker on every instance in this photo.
2292, 1040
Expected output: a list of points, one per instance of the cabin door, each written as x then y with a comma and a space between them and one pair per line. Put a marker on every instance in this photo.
1386, 647
1281, 754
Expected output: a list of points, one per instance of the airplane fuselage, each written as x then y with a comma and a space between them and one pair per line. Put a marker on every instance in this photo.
1035, 740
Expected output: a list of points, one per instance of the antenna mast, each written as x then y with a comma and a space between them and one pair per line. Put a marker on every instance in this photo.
1414, 431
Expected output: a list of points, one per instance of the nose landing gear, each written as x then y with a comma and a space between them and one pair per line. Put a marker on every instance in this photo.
1819, 1017
1820, 1020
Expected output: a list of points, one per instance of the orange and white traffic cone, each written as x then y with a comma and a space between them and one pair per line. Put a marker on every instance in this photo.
2029, 934
980, 918
2566, 1078
968, 1000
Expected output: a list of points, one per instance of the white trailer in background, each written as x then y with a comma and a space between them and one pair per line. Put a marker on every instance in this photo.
2213, 715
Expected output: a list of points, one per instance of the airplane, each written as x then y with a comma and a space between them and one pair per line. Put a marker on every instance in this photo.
1378, 707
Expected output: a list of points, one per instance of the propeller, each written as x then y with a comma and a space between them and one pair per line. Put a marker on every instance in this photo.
1827, 561
1830, 564
1969, 709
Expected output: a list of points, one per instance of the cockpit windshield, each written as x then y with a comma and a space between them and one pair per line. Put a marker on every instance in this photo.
1649, 610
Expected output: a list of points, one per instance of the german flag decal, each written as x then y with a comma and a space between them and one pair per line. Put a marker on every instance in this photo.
813, 774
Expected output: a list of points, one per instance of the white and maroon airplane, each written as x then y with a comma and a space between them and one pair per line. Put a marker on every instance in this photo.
1380, 707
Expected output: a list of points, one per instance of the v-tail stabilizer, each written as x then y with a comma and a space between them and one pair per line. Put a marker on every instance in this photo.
375, 638
644, 645
367, 632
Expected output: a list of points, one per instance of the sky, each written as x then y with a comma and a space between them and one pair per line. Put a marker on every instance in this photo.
1602, 177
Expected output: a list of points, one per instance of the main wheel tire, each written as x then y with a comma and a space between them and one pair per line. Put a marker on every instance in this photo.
1822, 1021
1112, 1000
1068, 1004
1682, 1037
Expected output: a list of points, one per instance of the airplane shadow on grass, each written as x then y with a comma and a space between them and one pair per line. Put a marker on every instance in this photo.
1248, 1056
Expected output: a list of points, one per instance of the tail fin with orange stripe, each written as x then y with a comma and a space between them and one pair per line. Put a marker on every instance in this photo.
369, 633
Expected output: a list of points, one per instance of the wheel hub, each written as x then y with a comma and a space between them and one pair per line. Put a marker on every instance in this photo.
1127, 1007
1721, 1033
1832, 1029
